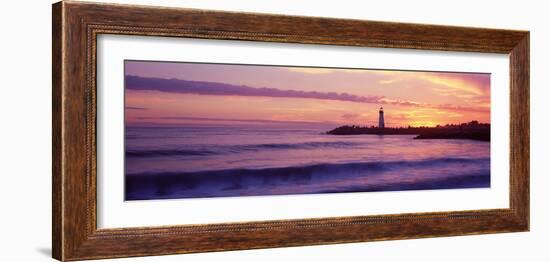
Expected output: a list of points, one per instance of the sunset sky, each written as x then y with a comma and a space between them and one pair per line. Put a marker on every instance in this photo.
164, 93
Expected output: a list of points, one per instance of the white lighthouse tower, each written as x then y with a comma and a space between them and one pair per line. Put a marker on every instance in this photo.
381, 118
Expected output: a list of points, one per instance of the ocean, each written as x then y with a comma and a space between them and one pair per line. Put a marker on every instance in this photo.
250, 160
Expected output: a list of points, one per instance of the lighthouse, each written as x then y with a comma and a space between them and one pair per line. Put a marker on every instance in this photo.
381, 118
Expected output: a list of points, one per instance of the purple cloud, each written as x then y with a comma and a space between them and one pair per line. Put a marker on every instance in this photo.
463, 108
135, 108
212, 88
350, 116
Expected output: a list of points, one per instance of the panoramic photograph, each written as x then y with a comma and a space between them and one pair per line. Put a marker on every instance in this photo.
198, 130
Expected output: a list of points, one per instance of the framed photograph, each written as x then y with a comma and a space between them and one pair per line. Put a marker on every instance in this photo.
182, 130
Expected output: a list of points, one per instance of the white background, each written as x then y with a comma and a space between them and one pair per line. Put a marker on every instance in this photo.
25, 146
113, 212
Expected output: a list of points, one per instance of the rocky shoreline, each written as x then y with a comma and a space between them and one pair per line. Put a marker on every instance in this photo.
472, 130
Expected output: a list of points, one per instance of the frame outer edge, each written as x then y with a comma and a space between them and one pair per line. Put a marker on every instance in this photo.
57, 129
72, 240
519, 139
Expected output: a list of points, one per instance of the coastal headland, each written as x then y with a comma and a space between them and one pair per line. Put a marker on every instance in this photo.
472, 130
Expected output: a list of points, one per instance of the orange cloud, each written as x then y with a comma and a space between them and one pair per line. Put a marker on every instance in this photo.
453, 83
